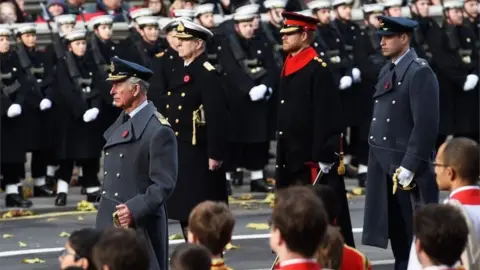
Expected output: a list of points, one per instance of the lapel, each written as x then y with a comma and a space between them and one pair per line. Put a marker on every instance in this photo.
186, 75
385, 84
131, 130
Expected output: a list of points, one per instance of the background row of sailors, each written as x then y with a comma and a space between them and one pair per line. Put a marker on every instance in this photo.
62, 126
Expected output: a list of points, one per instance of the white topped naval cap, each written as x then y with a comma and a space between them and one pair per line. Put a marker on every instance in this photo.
28, 28
147, 20
392, 3
319, 4
76, 35
66, 19
137, 13
183, 13
373, 8
306, 12
336, 3
269, 4
203, 9
4, 31
248, 9
450, 4
163, 21
100, 20
187, 29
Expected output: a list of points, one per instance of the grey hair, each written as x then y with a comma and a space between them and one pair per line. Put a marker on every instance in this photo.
143, 84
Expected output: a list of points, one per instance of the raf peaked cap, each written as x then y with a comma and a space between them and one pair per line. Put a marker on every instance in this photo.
188, 30
122, 69
390, 26
295, 22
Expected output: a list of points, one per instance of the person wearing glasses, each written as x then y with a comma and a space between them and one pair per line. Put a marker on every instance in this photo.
79, 249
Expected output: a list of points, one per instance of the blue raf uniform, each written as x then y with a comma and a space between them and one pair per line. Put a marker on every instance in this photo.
140, 169
402, 137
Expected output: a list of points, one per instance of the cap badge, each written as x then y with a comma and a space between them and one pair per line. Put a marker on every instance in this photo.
112, 67
180, 27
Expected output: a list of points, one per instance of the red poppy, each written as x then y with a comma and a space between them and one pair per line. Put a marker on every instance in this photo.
186, 78
125, 134
387, 85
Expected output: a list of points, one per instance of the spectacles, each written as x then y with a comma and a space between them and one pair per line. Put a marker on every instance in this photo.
434, 164
65, 253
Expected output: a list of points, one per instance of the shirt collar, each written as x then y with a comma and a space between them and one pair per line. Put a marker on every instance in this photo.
462, 189
400, 58
138, 108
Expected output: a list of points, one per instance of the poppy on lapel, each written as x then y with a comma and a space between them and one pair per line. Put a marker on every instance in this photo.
387, 85
125, 134
186, 78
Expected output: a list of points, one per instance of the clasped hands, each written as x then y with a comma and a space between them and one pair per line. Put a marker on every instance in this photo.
123, 217
403, 177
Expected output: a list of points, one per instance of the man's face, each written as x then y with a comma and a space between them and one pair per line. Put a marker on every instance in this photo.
292, 42
443, 173
67, 28
373, 20
78, 47
421, 8
55, 9
104, 31
344, 12
172, 40
245, 29
123, 94
4, 44
206, 20
323, 15
276, 14
394, 12
150, 33
471, 9
455, 16
187, 47
392, 45
29, 39
112, 4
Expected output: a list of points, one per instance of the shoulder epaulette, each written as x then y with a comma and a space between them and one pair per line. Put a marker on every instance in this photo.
162, 119
208, 66
320, 60
160, 54
420, 61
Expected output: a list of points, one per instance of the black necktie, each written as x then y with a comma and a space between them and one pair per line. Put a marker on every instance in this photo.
126, 116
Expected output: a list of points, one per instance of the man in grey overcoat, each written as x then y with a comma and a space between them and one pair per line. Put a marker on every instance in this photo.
402, 139
140, 163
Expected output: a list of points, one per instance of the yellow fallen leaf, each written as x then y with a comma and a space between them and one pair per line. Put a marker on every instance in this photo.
27, 192
358, 191
32, 261
258, 226
269, 199
64, 234
80, 218
245, 197
16, 213
175, 237
51, 219
5, 236
230, 246
85, 206
270, 181
22, 244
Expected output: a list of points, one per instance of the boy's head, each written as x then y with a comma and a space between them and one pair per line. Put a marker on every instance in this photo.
441, 234
190, 257
120, 249
330, 202
457, 163
297, 215
211, 225
330, 251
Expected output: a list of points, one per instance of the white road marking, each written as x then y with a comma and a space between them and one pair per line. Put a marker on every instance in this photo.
20, 252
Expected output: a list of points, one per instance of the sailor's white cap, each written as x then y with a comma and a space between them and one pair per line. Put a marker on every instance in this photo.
66, 19
76, 35
336, 3
203, 9
248, 9
27, 28
183, 13
450, 4
140, 12
147, 20
392, 3
187, 29
319, 4
4, 31
269, 4
373, 8
306, 12
163, 21
100, 20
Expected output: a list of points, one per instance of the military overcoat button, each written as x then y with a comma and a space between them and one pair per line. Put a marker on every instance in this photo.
118, 175
106, 153
371, 137
105, 173
121, 155
116, 194
103, 192
384, 138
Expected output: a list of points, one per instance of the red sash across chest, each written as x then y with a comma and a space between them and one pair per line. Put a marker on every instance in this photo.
298, 61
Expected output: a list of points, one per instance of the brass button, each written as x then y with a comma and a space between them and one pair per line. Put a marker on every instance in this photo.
168, 106
183, 94
169, 93
180, 107
176, 133
176, 121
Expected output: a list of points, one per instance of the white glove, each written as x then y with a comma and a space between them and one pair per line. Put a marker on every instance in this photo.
324, 167
90, 115
356, 75
345, 82
45, 104
470, 82
14, 110
258, 92
405, 177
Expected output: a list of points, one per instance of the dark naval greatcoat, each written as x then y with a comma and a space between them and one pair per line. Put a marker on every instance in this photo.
140, 171
403, 132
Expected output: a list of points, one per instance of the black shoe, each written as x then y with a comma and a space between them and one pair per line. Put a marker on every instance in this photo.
43, 191
237, 178
362, 180
61, 199
93, 197
260, 186
16, 200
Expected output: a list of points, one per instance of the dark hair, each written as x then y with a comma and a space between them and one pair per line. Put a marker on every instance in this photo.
121, 249
299, 215
83, 241
190, 257
463, 154
442, 232
212, 223
329, 200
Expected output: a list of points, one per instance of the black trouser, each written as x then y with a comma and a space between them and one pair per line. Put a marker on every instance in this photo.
90, 168
251, 156
39, 162
12, 173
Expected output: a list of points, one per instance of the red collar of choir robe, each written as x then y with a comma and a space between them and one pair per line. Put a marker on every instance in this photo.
299, 264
